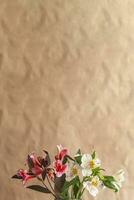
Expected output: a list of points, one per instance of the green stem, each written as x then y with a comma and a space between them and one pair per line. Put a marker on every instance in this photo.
47, 187
80, 192
50, 184
72, 194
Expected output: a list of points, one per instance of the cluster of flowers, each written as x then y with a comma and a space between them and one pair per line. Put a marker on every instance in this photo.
68, 177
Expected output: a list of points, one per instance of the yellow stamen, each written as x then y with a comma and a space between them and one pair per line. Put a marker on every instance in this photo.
91, 164
74, 171
94, 183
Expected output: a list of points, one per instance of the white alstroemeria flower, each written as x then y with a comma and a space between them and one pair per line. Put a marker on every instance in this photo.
73, 170
88, 163
93, 186
119, 178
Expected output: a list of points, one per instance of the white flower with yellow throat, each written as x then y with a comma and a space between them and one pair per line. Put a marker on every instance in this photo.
119, 179
88, 163
93, 185
73, 170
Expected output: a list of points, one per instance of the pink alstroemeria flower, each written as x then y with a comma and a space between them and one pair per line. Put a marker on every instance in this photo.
59, 168
50, 173
34, 164
24, 175
62, 152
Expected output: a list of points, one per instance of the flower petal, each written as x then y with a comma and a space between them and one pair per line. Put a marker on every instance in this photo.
59, 168
86, 184
86, 172
97, 162
85, 160
93, 190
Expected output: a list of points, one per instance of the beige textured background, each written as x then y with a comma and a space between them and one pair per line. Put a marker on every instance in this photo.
66, 76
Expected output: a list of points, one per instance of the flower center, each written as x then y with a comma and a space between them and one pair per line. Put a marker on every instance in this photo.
91, 164
94, 183
74, 171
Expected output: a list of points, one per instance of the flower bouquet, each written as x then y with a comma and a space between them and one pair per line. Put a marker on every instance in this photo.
68, 177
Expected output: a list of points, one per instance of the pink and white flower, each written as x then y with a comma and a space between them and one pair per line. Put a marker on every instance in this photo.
34, 164
24, 175
62, 152
59, 168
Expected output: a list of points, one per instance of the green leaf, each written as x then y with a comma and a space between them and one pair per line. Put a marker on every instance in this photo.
108, 182
16, 177
101, 177
69, 157
64, 160
110, 185
93, 154
69, 183
109, 178
44, 173
64, 195
76, 187
95, 171
59, 183
101, 169
78, 157
30, 162
46, 161
78, 152
39, 188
